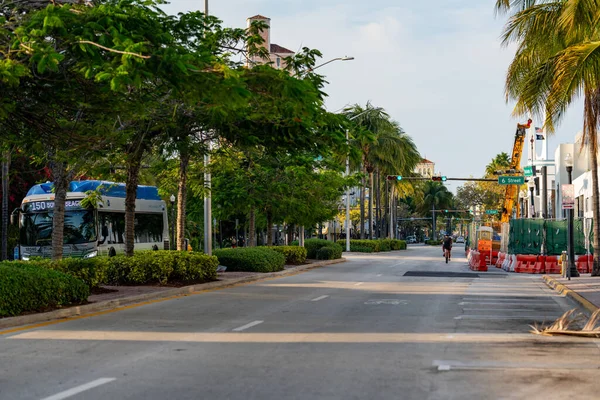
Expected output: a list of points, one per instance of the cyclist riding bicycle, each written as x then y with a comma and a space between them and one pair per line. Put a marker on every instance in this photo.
447, 247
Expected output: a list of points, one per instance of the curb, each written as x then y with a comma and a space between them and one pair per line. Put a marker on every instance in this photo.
110, 305
563, 289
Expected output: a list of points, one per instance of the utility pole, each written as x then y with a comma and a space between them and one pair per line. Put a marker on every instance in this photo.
207, 186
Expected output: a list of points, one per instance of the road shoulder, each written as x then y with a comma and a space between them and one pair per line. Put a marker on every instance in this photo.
585, 291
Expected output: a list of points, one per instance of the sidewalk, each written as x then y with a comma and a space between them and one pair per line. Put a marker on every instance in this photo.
585, 290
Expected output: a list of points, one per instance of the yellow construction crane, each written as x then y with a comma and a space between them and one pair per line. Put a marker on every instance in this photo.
512, 191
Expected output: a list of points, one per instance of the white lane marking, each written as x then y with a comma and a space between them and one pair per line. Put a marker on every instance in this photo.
393, 302
508, 299
447, 365
79, 389
532, 317
250, 325
379, 274
358, 283
321, 297
501, 309
502, 303
400, 263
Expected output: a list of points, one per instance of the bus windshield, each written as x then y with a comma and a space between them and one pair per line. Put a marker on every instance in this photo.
36, 228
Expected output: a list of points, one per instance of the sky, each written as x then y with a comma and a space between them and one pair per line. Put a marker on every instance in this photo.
437, 67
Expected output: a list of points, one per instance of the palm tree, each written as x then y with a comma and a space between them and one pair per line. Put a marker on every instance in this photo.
367, 124
558, 59
500, 162
433, 196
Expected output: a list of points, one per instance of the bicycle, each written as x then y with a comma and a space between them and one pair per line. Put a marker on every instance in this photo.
447, 255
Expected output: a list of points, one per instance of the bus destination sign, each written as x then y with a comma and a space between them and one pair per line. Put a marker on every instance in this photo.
48, 205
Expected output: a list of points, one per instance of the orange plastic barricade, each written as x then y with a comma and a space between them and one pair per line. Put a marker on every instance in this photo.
584, 263
540, 265
552, 266
520, 264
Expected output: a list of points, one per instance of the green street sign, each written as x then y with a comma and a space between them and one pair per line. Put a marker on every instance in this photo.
511, 180
528, 170
490, 212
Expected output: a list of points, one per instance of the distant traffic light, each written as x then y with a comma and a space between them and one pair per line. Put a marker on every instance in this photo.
394, 177
444, 178
439, 178
445, 211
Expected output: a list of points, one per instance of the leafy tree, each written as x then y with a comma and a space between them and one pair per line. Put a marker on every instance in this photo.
433, 196
500, 162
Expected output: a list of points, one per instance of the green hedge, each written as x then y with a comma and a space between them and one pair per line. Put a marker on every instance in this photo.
161, 267
374, 245
293, 254
432, 242
25, 287
332, 251
252, 259
313, 245
398, 244
143, 268
360, 249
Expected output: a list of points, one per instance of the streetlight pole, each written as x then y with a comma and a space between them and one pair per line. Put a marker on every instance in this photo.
207, 186
345, 58
531, 186
571, 269
172, 241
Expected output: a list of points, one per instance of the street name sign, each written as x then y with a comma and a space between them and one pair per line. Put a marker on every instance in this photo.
528, 170
491, 212
511, 180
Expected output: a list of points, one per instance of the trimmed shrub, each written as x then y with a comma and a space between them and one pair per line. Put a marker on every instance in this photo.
293, 254
398, 244
432, 242
251, 259
375, 245
325, 253
25, 287
385, 245
313, 245
360, 249
161, 267
144, 267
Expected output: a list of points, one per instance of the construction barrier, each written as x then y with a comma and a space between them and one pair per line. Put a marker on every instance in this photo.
551, 265
500, 260
584, 263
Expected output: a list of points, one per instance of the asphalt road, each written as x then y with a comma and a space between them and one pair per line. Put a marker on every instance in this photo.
357, 330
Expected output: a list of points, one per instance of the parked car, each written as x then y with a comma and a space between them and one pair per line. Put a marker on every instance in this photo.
411, 239
460, 239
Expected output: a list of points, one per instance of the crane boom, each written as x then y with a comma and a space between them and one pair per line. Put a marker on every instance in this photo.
510, 196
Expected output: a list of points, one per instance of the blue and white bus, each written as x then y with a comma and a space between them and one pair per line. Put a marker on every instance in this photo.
90, 232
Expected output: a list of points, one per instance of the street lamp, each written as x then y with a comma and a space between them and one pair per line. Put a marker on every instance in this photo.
522, 205
172, 199
571, 269
345, 58
531, 186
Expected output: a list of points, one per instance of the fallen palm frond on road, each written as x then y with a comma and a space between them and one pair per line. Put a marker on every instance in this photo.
562, 325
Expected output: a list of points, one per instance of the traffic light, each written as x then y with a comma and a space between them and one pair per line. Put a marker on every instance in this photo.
436, 178
444, 179
394, 177
445, 211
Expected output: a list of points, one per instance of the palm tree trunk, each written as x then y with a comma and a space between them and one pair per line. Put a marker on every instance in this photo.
133, 172
182, 199
252, 228
595, 203
370, 205
5, 194
269, 228
362, 206
61, 186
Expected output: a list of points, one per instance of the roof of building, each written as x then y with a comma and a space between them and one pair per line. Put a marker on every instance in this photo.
426, 161
275, 48
258, 16
110, 189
